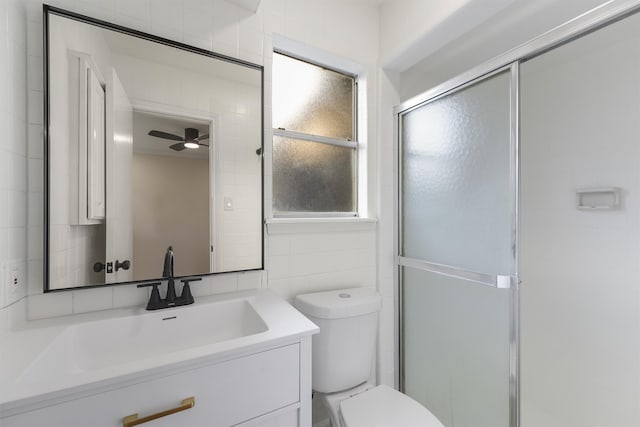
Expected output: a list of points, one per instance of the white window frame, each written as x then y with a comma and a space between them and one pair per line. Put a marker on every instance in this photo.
359, 186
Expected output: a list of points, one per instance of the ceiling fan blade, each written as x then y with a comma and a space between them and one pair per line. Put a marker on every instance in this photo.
201, 137
165, 135
203, 145
178, 147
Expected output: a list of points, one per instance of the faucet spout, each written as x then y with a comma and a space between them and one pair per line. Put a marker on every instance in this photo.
167, 272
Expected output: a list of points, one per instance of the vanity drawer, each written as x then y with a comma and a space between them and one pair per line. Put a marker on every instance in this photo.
226, 394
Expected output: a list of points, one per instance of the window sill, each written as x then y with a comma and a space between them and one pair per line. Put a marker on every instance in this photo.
318, 225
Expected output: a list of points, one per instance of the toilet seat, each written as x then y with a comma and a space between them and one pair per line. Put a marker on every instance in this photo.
383, 406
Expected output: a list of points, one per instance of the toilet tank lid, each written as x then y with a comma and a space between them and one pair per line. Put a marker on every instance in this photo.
340, 303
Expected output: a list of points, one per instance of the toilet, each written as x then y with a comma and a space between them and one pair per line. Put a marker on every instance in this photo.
343, 354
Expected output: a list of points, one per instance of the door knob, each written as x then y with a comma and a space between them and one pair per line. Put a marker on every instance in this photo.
124, 265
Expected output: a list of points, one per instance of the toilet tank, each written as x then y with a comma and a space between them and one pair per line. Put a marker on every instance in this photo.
343, 351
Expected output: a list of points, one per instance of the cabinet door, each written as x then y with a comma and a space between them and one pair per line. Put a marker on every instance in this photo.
285, 419
226, 394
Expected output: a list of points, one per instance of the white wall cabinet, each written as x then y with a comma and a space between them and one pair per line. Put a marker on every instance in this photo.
259, 390
87, 129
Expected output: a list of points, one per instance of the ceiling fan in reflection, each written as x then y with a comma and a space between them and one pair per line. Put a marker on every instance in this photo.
191, 138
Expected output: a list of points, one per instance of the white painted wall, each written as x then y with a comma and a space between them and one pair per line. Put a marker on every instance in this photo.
411, 30
154, 229
511, 25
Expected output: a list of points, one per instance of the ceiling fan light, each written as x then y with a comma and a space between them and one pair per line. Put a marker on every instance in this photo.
191, 145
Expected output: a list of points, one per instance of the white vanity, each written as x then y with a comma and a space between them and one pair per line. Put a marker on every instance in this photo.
235, 359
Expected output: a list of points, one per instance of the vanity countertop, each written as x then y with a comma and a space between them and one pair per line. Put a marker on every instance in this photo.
45, 362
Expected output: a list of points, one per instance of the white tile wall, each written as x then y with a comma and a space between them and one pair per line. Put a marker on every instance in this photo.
300, 261
295, 262
321, 258
13, 150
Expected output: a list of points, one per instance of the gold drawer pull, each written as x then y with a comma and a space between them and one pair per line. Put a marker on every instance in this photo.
133, 420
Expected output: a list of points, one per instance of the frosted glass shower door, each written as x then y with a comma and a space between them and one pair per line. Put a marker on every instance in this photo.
457, 251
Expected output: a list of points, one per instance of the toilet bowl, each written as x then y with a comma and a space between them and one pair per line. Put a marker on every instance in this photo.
343, 355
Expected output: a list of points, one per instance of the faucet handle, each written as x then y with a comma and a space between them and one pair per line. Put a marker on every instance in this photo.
146, 285
155, 302
186, 296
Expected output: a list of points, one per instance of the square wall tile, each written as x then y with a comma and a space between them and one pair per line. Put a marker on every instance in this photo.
35, 277
2, 297
4, 244
52, 304
279, 244
35, 209
139, 10
166, 19
4, 208
93, 299
17, 201
129, 296
35, 242
201, 288
17, 243
100, 9
249, 280
225, 282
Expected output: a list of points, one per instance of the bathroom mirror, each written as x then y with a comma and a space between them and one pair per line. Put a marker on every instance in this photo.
149, 143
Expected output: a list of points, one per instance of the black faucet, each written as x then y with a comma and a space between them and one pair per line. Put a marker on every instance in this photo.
167, 273
170, 300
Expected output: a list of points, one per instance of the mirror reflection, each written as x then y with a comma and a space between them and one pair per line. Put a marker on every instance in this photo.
149, 146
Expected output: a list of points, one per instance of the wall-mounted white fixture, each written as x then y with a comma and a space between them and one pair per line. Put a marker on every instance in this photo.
600, 198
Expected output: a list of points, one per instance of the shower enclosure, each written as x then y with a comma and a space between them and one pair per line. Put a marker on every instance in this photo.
518, 233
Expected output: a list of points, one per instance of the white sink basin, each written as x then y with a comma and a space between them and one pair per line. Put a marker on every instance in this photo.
100, 344
59, 359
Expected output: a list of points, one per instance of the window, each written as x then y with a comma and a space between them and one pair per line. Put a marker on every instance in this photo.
314, 142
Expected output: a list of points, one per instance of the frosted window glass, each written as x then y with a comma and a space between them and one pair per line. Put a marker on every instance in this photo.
455, 183
311, 99
313, 177
456, 349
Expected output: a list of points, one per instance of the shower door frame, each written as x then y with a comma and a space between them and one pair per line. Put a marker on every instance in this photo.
508, 282
592, 20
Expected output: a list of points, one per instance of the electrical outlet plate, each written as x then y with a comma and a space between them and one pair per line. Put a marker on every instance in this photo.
15, 284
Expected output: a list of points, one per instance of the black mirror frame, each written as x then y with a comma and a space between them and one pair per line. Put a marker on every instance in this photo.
51, 10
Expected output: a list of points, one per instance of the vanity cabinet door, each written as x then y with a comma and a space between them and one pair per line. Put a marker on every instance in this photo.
286, 419
226, 394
